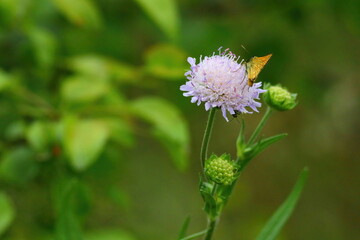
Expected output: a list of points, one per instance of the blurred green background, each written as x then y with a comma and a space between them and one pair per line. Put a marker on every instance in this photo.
97, 141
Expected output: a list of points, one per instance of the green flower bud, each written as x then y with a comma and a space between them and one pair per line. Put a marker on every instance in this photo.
220, 169
279, 98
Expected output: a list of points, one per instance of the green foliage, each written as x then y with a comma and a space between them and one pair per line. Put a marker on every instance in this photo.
77, 89
81, 12
84, 139
163, 13
19, 165
184, 228
166, 61
168, 126
282, 214
68, 224
7, 212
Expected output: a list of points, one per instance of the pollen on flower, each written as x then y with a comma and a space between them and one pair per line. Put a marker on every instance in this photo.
221, 81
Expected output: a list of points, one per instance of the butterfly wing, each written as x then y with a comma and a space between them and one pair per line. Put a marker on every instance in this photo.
254, 67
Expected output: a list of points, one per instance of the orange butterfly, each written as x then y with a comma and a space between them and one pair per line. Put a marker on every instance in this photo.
254, 67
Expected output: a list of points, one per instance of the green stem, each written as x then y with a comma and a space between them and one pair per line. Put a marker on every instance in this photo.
211, 228
206, 139
260, 126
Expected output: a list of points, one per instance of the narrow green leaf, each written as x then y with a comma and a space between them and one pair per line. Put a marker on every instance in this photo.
168, 126
195, 235
7, 212
184, 227
67, 223
80, 12
240, 142
263, 144
282, 214
163, 13
83, 141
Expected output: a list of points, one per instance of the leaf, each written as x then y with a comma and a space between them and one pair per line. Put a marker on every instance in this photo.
44, 45
195, 235
67, 223
210, 203
5, 80
102, 67
18, 165
184, 228
83, 141
82, 13
39, 135
109, 234
263, 144
168, 126
121, 131
240, 142
7, 212
80, 89
166, 61
163, 13
282, 214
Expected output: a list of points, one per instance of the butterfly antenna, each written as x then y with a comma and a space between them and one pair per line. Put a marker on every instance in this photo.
244, 48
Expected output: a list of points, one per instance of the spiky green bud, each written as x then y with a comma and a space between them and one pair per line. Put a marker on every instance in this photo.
220, 169
279, 98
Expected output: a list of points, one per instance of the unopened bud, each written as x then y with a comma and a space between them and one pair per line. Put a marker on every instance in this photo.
279, 98
220, 169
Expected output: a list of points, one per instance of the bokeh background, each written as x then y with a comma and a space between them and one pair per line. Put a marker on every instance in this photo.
97, 141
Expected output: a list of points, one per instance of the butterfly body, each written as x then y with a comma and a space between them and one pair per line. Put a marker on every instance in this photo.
254, 67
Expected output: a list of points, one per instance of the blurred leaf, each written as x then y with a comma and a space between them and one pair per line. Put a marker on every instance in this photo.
81, 89
67, 223
166, 61
7, 212
5, 79
44, 45
91, 65
101, 67
13, 9
80, 12
84, 140
109, 234
282, 214
18, 165
121, 131
169, 126
39, 135
163, 13
184, 228
15, 130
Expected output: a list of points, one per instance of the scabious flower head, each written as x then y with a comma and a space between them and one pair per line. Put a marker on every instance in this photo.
279, 98
221, 81
220, 169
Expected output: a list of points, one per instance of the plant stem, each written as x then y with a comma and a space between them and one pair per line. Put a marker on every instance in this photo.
260, 126
211, 228
206, 139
